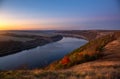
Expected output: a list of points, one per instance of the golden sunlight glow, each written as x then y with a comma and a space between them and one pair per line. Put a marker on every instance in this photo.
22, 25
7, 23
3, 25
13, 22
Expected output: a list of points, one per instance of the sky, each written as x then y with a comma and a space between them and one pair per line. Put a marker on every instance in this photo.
59, 14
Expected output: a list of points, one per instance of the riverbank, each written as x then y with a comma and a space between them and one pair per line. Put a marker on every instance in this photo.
105, 66
88, 52
86, 34
40, 56
13, 43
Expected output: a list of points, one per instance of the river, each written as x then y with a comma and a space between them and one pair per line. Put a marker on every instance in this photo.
41, 55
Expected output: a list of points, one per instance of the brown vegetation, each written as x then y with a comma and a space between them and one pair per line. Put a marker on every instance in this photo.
89, 52
105, 51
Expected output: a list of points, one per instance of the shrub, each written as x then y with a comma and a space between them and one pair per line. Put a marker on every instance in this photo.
88, 52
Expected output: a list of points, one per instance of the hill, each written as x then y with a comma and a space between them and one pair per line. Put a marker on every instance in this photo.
88, 52
98, 59
13, 42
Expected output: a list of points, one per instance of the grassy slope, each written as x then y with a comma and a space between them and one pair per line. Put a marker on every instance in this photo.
106, 67
88, 52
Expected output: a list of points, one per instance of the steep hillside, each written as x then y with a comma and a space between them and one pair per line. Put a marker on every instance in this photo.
88, 52
98, 59
106, 67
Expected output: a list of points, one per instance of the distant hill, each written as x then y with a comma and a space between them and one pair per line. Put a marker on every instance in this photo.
98, 59
86, 34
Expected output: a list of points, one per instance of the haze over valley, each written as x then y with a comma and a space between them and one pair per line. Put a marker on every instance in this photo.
59, 39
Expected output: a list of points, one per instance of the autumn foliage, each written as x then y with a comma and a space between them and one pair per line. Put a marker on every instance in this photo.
65, 60
88, 52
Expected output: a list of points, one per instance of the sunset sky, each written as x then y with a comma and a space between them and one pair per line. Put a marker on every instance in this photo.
59, 14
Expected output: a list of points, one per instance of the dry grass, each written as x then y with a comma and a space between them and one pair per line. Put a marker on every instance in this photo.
107, 67
84, 73
88, 52
7, 38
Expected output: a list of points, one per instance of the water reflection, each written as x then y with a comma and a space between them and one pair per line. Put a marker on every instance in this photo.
41, 55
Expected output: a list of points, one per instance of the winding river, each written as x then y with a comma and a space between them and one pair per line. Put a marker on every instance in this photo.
42, 55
